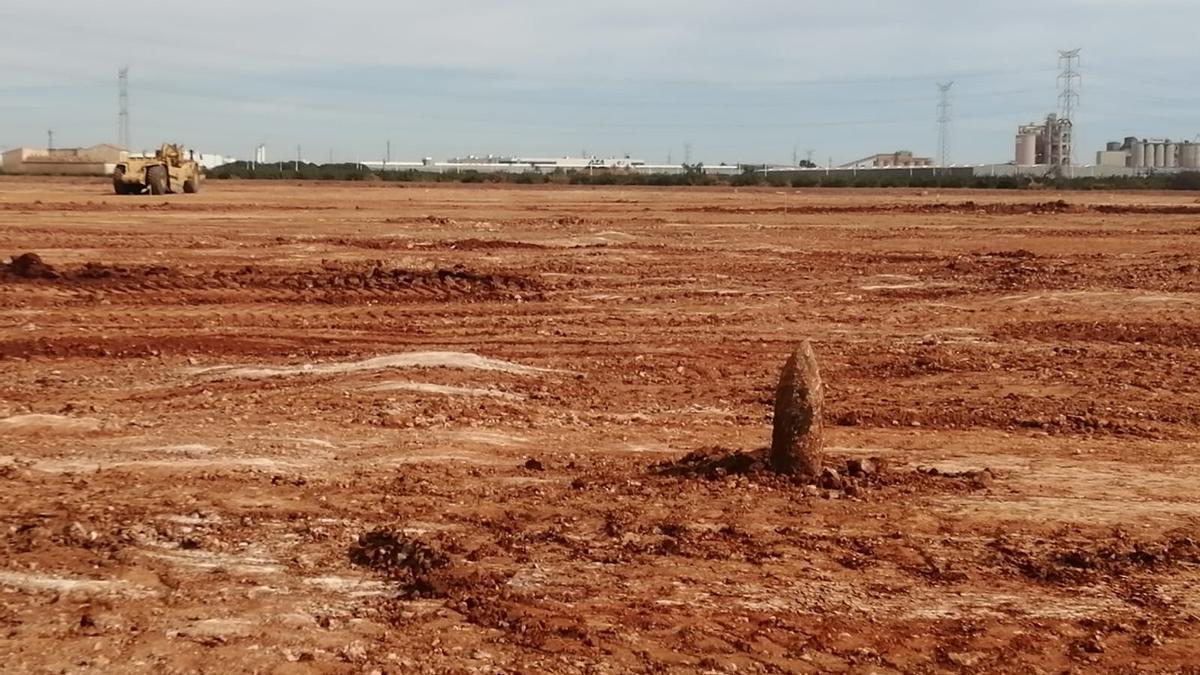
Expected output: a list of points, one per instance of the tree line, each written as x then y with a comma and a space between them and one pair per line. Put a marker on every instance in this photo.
694, 175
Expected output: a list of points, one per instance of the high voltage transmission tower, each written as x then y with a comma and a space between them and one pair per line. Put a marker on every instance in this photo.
944, 110
1069, 84
123, 107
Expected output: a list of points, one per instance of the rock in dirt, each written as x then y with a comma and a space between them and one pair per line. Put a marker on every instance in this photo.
797, 446
981, 479
30, 266
965, 659
862, 467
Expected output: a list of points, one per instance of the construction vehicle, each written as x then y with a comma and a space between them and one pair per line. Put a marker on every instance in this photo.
167, 171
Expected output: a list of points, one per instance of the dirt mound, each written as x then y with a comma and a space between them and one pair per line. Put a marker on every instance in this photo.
1011, 271
29, 266
714, 463
1086, 563
332, 282
999, 209
480, 245
1058, 206
851, 477
393, 244
93, 271
717, 463
348, 281
1146, 209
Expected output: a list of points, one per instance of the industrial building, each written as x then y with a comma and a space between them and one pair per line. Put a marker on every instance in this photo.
888, 160
98, 160
1047, 143
553, 163
1150, 153
498, 164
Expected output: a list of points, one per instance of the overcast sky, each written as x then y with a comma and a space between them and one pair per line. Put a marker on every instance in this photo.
740, 80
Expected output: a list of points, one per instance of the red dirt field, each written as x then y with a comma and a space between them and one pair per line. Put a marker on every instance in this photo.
326, 428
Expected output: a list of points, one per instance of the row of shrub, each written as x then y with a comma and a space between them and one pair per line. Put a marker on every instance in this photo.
695, 175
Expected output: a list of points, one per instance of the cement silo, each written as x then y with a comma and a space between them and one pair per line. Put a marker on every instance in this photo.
1137, 154
1026, 149
1169, 159
1189, 155
1160, 155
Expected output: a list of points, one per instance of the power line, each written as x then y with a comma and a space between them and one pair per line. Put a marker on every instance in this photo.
944, 111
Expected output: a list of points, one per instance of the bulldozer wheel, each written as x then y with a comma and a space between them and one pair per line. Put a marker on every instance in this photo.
119, 185
190, 186
156, 177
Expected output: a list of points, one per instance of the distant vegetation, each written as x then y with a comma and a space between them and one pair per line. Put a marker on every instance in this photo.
695, 175
691, 175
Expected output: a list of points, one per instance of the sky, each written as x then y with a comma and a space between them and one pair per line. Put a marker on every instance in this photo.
755, 81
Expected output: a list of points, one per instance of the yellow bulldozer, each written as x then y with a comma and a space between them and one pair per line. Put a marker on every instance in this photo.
167, 171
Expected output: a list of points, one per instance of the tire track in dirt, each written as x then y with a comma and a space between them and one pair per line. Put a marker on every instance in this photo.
1118, 332
966, 207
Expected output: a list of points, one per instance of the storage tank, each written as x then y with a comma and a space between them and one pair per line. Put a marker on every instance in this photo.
1137, 154
1160, 155
1026, 149
1169, 158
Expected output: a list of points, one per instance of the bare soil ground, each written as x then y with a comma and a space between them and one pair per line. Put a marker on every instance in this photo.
285, 427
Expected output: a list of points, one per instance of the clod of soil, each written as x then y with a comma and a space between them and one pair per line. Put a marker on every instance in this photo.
713, 463
423, 570
29, 266
396, 555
